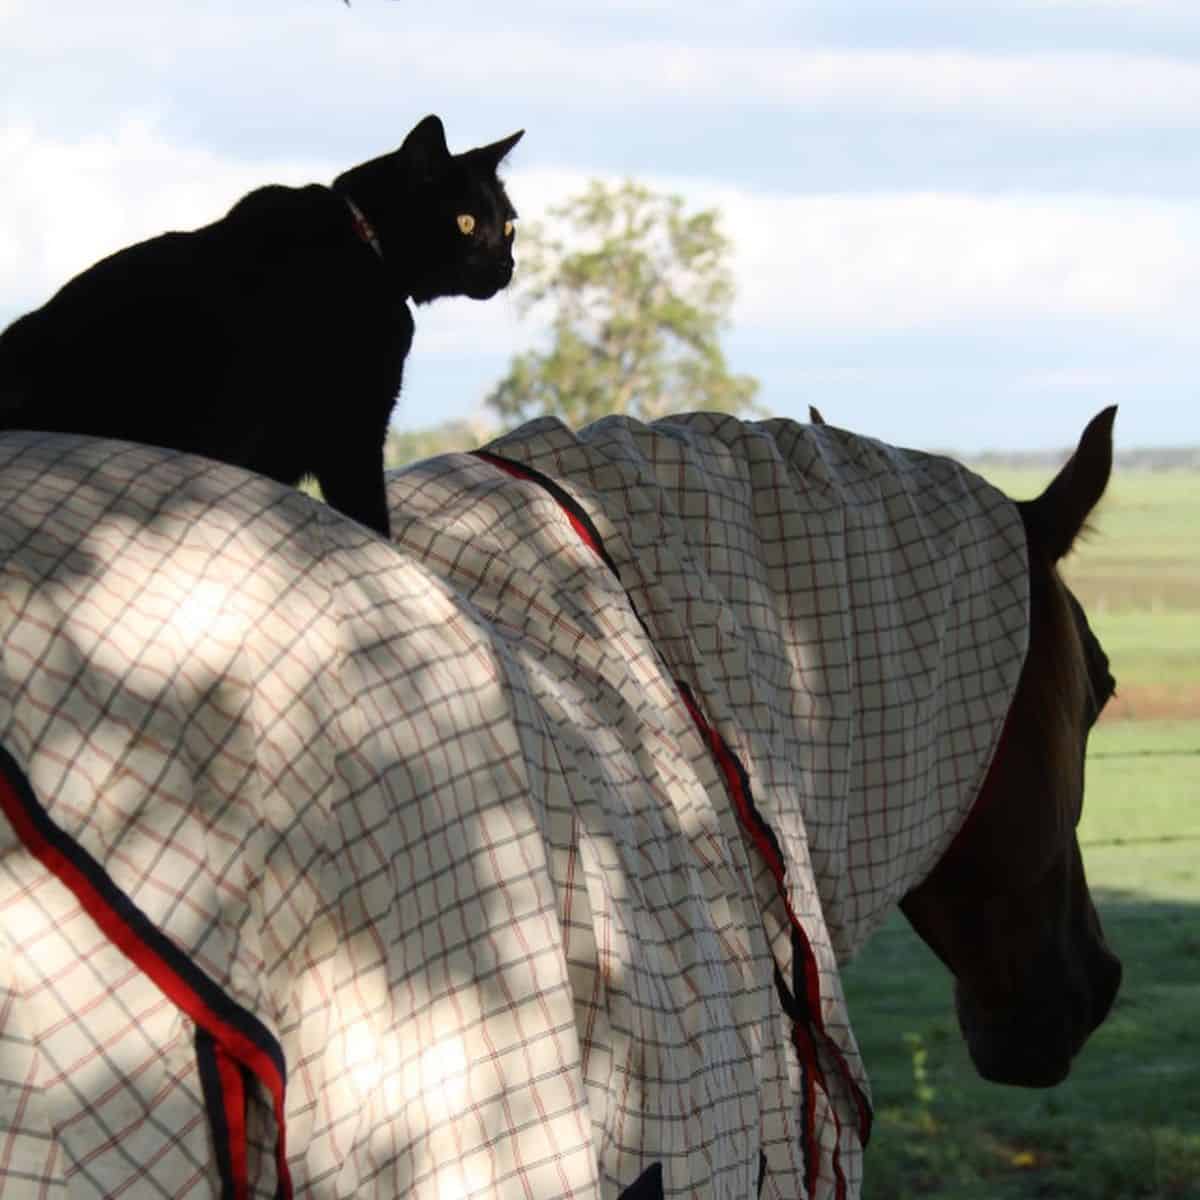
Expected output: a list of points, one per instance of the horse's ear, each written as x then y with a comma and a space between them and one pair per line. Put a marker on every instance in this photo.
814, 415
424, 152
1056, 517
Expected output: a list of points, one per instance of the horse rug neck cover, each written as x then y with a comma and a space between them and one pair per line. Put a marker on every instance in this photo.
513, 858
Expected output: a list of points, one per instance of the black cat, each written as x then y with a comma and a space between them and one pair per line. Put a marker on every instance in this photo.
275, 337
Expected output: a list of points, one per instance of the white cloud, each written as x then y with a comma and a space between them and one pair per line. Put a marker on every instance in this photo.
1081, 90
66, 204
903, 261
852, 263
1071, 90
528, 57
460, 326
892, 261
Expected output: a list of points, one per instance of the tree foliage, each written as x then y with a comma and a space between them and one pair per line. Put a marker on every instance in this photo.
404, 446
638, 290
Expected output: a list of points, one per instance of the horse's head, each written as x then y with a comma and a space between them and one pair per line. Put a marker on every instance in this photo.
1007, 908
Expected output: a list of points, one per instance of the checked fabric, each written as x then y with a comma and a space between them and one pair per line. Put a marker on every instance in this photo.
515, 857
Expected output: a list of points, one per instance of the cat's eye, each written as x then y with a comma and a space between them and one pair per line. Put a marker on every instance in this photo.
466, 223
508, 229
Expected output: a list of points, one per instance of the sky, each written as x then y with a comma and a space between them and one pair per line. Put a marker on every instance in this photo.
958, 224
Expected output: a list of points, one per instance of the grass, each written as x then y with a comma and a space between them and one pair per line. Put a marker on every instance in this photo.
1137, 572
1156, 659
1127, 1121
1139, 556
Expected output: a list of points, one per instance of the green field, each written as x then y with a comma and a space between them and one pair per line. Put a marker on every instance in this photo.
1127, 1121
1137, 573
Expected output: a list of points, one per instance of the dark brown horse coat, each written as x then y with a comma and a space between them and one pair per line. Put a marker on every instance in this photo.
515, 857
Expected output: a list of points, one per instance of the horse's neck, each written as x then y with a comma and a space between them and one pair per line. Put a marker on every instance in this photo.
936, 596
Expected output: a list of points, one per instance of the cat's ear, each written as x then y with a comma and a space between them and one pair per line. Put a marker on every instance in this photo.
424, 152
491, 156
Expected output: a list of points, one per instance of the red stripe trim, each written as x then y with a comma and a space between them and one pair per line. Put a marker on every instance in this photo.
578, 519
214, 1102
504, 464
810, 1071
737, 784
764, 839
814, 1078
233, 1092
131, 932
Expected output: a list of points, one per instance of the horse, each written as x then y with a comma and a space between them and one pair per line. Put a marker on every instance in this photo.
519, 855
1007, 908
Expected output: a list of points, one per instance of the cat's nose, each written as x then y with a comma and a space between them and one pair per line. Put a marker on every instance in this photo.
501, 274
487, 285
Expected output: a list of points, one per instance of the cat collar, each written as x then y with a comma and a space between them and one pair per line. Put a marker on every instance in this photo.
363, 227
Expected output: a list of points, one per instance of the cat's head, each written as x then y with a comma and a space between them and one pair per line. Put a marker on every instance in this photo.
444, 221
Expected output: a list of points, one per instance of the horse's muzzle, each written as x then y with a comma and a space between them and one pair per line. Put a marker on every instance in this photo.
1035, 1045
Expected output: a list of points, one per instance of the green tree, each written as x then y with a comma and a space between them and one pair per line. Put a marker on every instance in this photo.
638, 290
404, 446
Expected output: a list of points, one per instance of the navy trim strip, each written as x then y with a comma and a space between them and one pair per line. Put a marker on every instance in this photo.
214, 1102
243, 1037
149, 935
647, 1186
804, 967
564, 499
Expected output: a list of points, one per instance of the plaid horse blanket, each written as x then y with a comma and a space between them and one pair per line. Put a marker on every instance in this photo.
515, 857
